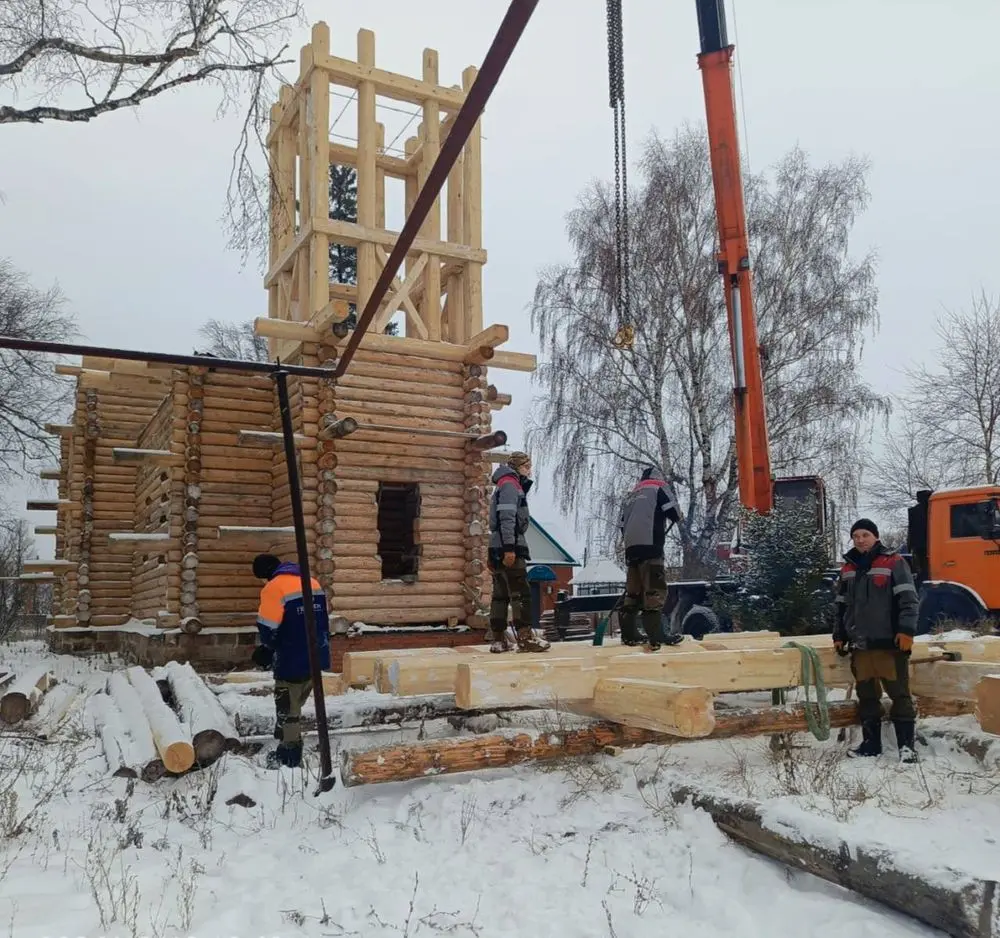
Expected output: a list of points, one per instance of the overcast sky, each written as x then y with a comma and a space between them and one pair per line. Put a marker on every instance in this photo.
124, 213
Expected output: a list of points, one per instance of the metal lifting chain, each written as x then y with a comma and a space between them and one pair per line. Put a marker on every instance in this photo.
616, 81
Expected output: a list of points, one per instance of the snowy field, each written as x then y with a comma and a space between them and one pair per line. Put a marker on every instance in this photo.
589, 848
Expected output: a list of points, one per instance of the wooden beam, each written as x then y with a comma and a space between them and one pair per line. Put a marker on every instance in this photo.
234, 532
131, 541
47, 504
388, 84
50, 474
285, 329
953, 680
287, 257
491, 336
447, 756
59, 429
402, 296
405, 302
656, 705
130, 455
479, 356
47, 566
46, 529
345, 232
394, 166
988, 703
514, 361
261, 438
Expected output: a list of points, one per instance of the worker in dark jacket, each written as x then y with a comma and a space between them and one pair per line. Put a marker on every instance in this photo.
284, 648
876, 622
509, 554
644, 518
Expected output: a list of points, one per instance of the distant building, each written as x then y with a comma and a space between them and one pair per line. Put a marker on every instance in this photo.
551, 567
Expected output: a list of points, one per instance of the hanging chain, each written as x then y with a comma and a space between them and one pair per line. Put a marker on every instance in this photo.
616, 82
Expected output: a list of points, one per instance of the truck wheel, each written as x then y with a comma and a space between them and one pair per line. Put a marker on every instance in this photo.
699, 621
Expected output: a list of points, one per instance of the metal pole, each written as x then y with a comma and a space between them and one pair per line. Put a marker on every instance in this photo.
327, 780
499, 53
161, 358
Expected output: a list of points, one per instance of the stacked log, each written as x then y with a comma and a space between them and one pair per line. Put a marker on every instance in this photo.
152, 516
413, 394
114, 417
477, 582
212, 732
23, 695
190, 539
91, 434
226, 484
326, 478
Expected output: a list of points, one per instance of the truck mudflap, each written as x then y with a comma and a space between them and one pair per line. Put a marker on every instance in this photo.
943, 602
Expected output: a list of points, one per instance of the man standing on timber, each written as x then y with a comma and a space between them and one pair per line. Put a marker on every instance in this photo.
644, 518
509, 554
876, 622
284, 649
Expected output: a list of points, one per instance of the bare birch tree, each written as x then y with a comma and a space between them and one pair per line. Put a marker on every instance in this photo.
947, 430
30, 394
76, 60
667, 400
16, 546
235, 340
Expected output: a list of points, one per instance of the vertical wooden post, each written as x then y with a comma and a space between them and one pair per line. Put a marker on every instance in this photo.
456, 331
473, 218
412, 185
380, 178
318, 111
431, 304
274, 210
367, 266
303, 306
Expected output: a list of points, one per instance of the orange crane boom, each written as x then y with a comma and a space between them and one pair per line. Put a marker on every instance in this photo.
753, 456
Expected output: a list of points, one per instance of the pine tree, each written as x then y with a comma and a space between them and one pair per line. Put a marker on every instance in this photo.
344, 259
781, 585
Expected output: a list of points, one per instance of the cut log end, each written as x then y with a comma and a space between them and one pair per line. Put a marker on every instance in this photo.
178, 757
191, 625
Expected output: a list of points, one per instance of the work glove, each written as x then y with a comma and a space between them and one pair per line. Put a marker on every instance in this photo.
904, 642
508, 558
263, 657
841, 649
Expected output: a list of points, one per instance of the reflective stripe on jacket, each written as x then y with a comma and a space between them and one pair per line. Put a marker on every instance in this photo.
281, 624
876, 599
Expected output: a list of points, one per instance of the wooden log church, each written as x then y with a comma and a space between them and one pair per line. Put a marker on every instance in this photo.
171, 479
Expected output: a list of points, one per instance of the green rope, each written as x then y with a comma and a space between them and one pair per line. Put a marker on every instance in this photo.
602, 627
818, 721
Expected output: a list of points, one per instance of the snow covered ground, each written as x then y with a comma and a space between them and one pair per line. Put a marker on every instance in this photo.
589, 848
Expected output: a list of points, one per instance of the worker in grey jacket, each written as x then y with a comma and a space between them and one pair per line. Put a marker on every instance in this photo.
509, 555
644, 518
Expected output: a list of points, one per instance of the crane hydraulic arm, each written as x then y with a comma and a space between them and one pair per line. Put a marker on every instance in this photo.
752, 453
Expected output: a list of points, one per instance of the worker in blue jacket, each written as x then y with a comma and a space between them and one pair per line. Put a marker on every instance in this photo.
284, 648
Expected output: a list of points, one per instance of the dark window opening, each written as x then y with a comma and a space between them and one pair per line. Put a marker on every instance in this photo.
398, 509
968, 520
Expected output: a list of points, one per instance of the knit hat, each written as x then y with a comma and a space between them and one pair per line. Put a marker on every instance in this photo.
264, 566
518, 460
864, 524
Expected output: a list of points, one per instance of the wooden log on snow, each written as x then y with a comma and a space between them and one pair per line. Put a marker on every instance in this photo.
24, 694
988, 703
952, 900
655, 705
212, 731
125, 755
448, 756
956, 680
139, 747
171, 738
54, 709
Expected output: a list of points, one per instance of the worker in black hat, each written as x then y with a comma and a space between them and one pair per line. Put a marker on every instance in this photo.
876, 622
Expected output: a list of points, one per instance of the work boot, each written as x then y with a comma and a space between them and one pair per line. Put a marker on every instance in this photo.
904, 741
499, 641
288, 755
529, 640
652, 623
630, 631
871, 744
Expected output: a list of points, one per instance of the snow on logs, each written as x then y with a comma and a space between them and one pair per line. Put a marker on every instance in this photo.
134, 736
469, 754
171, 737
22, 697
212, 731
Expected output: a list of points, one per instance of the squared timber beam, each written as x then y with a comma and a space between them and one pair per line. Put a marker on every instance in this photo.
350, 74
233, 532
59, 429
128, 455
47, 504
349, 233
50, 474
265, 438
47, 566
43, 529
